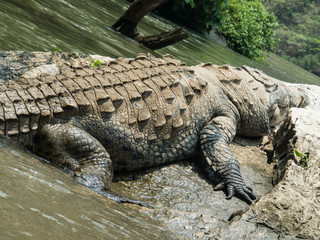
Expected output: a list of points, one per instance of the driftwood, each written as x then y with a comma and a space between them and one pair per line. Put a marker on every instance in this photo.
127, 25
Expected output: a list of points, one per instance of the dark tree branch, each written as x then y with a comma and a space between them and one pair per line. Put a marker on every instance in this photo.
164, 39
127, 25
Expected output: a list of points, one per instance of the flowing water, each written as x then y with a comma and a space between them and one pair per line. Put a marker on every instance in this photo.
83, 26
39, 201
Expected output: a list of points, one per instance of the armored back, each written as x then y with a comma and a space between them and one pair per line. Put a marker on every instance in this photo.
58, 85
248, 95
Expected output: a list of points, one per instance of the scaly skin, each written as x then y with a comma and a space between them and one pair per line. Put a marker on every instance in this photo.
129, 114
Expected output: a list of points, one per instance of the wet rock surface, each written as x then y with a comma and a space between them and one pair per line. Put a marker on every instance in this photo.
292, 208
185, 201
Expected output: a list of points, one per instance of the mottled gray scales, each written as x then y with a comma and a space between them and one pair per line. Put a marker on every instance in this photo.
128, 114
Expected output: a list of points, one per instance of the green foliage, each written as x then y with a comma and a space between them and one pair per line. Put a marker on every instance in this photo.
200, 15
95, 63
303, 158
299, 32
248, 27
55, 49
190, 2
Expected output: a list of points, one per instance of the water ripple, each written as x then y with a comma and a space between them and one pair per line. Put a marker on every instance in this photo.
2, 194
46, 216
54, 186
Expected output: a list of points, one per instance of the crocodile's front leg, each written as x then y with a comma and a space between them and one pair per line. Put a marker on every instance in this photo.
72, 147
214, 140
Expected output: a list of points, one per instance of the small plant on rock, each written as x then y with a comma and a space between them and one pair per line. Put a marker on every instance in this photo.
303, 158
55, 49
95, 63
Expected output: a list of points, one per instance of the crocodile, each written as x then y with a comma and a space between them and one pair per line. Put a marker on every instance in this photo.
95, 115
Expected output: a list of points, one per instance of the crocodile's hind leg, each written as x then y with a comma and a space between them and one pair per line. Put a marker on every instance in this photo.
74, 148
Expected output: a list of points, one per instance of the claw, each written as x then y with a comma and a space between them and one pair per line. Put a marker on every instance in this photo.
242, 195
249, 191
244, 192
119, 199
230, 191
98, 185
219, 187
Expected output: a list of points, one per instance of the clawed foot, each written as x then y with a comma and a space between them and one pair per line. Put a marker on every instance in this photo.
119, 199
240, 190
95, 183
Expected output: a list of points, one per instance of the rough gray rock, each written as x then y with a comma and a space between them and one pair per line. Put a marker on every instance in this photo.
292, 207
186, 202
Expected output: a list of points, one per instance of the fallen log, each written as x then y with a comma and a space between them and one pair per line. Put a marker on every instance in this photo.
127, 25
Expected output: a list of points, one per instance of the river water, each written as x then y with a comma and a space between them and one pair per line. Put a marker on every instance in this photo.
39, 201
84, 26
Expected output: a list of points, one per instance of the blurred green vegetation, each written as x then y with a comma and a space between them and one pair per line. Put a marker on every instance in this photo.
248, 28
298, 34
199, 15
246, 25
251, 26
